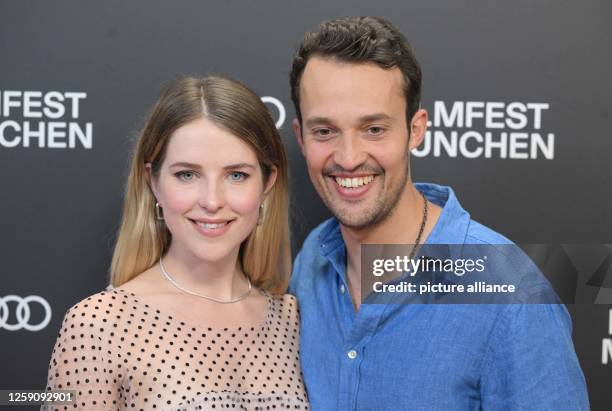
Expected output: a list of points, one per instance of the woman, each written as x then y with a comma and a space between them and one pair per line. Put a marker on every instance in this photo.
197, 318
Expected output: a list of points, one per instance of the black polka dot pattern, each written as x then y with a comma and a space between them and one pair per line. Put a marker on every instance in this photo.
117, 352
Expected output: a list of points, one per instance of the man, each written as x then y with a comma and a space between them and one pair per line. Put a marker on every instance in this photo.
356, 89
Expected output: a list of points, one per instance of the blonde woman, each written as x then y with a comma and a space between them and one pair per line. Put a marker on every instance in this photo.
197, 318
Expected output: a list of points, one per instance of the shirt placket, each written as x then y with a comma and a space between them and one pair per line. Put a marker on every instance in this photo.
354, 348
357, 329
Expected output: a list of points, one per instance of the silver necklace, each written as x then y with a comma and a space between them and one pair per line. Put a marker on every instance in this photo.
421, 229
183, 289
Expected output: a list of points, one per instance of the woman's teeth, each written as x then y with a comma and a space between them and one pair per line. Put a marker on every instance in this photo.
354, 182
210, 225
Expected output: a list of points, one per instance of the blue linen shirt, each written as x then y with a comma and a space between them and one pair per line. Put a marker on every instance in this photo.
428, 357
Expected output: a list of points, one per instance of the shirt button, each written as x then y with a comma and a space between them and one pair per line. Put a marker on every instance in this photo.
352, 354
342, 288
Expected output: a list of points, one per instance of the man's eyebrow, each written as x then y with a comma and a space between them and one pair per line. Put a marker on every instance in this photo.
374, 117
368, 118
312, 121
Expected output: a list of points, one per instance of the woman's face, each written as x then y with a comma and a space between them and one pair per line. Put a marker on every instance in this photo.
210, 187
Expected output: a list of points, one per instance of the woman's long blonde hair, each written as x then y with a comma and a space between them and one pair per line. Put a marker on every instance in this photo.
264, 256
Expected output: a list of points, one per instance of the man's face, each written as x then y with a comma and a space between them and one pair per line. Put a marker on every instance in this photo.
354, 136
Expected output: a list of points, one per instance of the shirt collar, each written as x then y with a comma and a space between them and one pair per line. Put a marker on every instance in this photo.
454, 221
330, 236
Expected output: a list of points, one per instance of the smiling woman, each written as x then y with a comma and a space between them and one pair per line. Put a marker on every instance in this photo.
186, 107
197, 317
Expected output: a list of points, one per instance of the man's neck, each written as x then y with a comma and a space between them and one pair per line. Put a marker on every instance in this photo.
401, 227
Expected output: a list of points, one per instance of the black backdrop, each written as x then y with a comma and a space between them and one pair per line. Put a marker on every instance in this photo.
536, 180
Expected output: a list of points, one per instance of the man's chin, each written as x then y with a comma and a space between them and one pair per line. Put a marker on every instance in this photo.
352, 213
360, 216
355, 220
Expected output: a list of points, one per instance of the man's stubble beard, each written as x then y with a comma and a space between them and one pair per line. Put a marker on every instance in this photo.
382, 209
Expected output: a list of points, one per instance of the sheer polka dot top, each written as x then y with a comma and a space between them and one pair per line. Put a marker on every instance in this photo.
117, 352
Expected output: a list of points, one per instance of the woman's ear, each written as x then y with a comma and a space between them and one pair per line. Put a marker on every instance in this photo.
271, 179
151, 179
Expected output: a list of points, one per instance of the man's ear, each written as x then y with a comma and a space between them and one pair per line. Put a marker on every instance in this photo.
150, 178
418, 128
271, 180
297, 130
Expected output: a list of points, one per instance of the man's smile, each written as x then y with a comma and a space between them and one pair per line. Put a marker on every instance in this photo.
352, 187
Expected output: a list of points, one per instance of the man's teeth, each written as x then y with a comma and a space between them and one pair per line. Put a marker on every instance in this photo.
354, 182
211, 225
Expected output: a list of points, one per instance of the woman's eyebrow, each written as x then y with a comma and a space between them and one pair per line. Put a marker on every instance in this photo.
195, 166
239, 165
185, 164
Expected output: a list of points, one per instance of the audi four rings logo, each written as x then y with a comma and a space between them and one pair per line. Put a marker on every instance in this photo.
23, 312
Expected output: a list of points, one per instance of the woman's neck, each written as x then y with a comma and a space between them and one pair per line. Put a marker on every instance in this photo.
222, 279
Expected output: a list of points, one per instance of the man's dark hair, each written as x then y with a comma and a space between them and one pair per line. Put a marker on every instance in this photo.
360, 40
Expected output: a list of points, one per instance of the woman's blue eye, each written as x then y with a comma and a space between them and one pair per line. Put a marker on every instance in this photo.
185, 175
238, 176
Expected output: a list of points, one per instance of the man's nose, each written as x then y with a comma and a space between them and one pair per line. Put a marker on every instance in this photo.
349, 152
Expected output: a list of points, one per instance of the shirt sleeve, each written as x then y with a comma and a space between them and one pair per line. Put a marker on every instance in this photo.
82, 360
531, 362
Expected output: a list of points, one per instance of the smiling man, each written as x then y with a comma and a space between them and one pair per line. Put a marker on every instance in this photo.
356, 89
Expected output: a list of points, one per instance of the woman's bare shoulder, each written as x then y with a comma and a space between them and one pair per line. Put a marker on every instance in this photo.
148, 282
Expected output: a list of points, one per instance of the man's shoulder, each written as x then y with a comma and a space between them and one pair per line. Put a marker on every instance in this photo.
455, 224
509, 264
478, 233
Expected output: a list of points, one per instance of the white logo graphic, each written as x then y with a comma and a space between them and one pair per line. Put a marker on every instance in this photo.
279, 106
23, 312
44, 119
488, 129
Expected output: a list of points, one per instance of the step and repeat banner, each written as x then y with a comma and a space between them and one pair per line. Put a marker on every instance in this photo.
518, 95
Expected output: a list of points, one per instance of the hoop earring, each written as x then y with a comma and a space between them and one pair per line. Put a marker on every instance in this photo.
158, 212
261, 212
